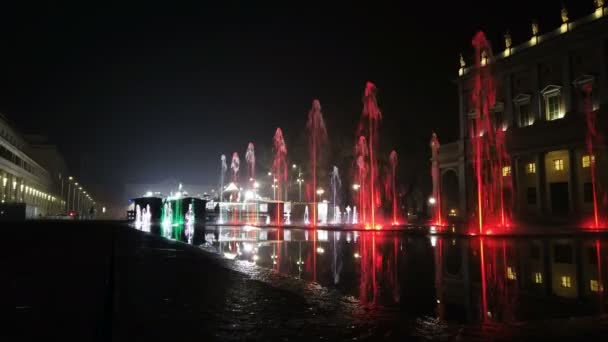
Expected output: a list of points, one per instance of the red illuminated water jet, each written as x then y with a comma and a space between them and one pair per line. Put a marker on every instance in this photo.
593, 140
317, 138
436, 177
392, 158
279, 167
361, 153
491, 162
369, 125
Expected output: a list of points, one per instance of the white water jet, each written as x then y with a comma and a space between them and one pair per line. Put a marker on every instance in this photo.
355, 219
306, 221
137, 216
348, 210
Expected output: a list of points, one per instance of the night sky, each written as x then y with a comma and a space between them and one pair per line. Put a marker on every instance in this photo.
150, 91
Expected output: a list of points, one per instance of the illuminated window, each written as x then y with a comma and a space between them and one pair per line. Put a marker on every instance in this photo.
558, 164
511, 273
566, 281
526, 116
587, 160
538, 278
594, 285
553, 106
531, 168
506, 171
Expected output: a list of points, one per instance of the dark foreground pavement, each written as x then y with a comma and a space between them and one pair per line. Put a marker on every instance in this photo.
96, 281
104, 281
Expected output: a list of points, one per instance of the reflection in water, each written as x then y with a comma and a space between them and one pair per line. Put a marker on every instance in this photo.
454, 279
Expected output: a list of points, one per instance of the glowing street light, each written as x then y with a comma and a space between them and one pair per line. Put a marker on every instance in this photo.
320, 191
356, 187
432, 201
269, 173
293, 166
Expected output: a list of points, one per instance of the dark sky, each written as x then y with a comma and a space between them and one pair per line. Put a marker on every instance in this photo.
144, 92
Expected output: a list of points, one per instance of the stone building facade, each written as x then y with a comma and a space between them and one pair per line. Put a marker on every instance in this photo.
542, 97
23, 179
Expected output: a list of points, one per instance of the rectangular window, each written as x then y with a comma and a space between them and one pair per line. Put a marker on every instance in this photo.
531, 168
594, 285
511, 273
525, 115
592, 255
553, 107
558, 164
586, 160
506, 171
538, 278
566, 281
588, 192
562, 253
535, 252
531, 195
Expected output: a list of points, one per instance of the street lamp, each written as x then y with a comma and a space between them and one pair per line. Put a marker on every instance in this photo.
356, 187
67, 200
432, 200
300, 181
74, 196
320, 191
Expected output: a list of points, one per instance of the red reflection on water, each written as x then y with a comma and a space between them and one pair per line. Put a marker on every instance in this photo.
484, 298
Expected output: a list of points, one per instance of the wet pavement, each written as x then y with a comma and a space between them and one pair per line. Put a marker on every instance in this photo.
107, 281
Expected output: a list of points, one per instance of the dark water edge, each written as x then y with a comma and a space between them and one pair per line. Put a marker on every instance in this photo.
70, 283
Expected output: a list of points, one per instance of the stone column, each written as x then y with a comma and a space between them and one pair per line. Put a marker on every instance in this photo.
566, 84
603, 76
515, 180
573, 181
511, 122
3, 186
536, 99
540, 183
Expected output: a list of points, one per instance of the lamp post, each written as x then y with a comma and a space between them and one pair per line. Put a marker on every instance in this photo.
67, 200
78, 201
74, 196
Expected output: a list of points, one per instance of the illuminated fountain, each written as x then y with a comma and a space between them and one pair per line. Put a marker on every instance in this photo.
593, 140
250, 159
335, 184
347, 218
234, 166
337, 215
392, 193
138, 217
372, 113
361, 165
355, 217
145, 218
490, 158
317, 138
166, 219
306, 220
189, 223
279, 167
436, 177
223, 170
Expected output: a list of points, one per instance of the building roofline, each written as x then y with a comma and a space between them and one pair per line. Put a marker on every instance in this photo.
538, 40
